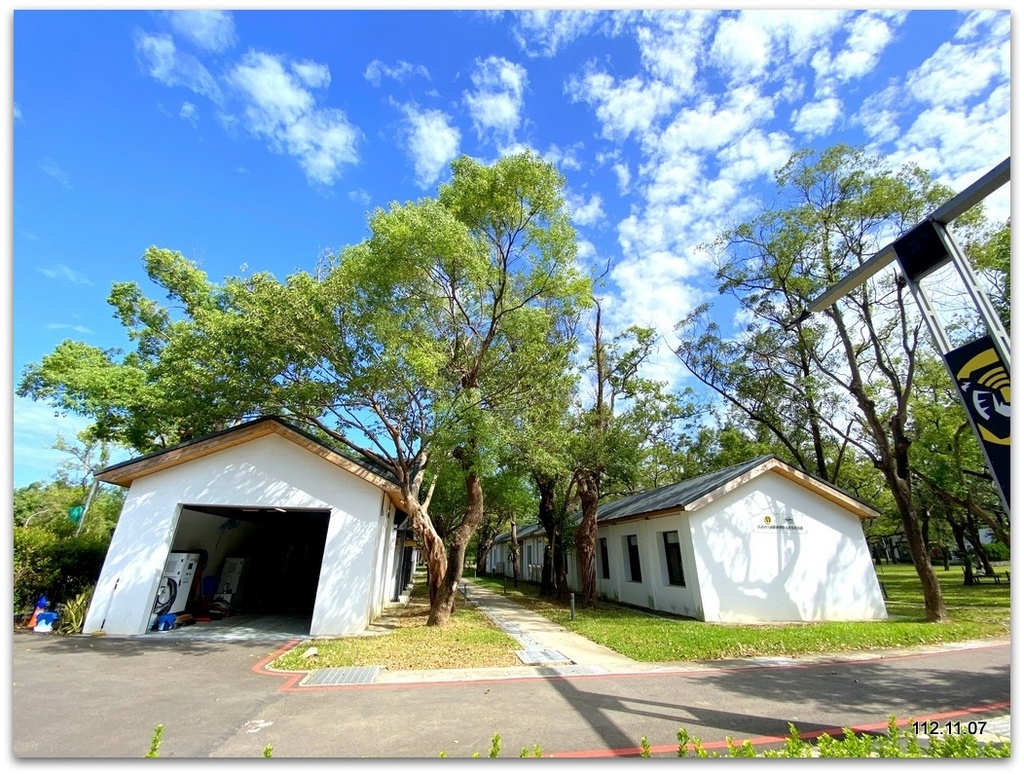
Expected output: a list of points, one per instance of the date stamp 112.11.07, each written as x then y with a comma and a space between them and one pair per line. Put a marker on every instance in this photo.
948, 727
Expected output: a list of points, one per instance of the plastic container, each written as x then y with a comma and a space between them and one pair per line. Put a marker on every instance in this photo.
44, 621
165, 622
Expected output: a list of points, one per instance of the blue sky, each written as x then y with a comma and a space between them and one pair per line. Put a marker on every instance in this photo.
254, 140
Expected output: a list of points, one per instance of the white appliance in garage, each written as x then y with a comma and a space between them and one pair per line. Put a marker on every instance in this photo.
233, 580
176, 582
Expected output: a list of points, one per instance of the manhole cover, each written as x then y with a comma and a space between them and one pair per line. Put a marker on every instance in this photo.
341, 676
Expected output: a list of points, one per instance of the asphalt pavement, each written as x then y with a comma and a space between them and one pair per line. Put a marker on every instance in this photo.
102, 697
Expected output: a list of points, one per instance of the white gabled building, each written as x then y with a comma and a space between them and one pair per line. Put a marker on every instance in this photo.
761, 541
319, 533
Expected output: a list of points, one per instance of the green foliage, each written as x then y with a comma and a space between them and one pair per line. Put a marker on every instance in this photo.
998, 551
525, 752
896, 743
268, 751
976, 612
495, 746
50, 559
154, 746
72, 613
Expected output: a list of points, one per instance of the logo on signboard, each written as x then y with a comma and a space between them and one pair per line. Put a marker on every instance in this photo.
767, 519
986, 388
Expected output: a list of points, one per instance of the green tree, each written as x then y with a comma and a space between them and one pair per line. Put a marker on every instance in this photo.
843, 378
411, 345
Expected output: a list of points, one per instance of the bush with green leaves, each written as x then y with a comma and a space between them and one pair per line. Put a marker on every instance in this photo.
51, 560
896, 743
997, 551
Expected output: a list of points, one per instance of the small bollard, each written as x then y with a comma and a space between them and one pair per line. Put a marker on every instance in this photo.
572, 606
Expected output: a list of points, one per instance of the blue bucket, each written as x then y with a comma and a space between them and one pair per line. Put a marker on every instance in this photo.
166, 622
47, 618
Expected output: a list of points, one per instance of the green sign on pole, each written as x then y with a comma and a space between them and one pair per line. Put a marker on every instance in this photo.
75, 513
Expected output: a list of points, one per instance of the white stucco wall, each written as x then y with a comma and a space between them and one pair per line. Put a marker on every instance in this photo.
265, 472
653, 590
810, 563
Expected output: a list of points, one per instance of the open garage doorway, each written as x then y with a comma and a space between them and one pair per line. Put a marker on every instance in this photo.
257, 568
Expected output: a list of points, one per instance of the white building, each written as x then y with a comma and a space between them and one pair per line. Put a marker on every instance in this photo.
322, 535
757, 542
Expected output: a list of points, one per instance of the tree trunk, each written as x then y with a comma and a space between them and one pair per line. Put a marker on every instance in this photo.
965, 556
975, 538
483, 548
546, 516
513, 555
893, 460
586, 538
443, 604
434, 555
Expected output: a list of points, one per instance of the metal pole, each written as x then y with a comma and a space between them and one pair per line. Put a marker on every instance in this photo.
88, 500
572, 606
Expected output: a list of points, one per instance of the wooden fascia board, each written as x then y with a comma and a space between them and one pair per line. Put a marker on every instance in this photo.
799, 477
642, 517
127, 474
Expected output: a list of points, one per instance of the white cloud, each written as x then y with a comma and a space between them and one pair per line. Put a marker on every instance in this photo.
622, 176
755, 155
190, 113
958, 73
162, 60
432, 140
497, 101
741, 48
544, 32
212, 31
280, 107
64, 272
17, 112
312, 74
563, 158
359, 196
55, 171
585, 212
623, 107
817, 119
63, 326
400, 71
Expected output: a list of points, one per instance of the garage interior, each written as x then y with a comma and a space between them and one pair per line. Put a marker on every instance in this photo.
241, 569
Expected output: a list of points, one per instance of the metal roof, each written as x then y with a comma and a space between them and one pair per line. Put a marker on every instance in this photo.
701, 490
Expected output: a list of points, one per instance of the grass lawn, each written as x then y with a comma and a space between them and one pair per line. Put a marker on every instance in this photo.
980, 611
471, 640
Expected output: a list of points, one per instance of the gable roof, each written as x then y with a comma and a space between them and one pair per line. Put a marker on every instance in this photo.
699, 491
125, 473
695, 493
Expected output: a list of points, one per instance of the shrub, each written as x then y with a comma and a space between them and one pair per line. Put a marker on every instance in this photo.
997, 551
54, 561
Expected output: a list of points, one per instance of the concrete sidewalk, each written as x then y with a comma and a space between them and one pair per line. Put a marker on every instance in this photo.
544, 642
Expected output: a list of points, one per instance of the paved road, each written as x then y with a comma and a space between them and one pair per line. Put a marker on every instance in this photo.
87, 697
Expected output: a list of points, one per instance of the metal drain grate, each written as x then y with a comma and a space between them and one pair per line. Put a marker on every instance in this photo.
341, 676
542, 657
